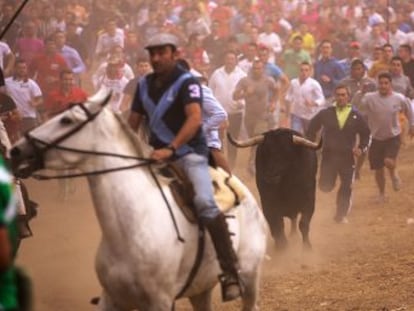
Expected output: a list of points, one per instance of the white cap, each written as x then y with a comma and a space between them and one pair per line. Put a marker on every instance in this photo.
162, 39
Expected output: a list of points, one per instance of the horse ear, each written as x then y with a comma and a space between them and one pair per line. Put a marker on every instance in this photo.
100, 99
106, 99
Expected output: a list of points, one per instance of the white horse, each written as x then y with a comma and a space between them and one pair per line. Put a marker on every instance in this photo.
141, 264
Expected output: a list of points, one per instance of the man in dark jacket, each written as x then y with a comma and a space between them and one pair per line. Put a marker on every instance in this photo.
341, 125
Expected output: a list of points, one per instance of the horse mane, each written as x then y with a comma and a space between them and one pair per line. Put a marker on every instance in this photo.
136, 139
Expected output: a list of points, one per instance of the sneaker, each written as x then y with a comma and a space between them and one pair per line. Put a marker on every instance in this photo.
396, 183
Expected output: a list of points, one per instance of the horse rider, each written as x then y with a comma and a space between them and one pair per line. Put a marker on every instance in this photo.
170, 99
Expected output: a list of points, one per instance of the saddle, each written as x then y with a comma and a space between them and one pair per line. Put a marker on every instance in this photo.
228, 189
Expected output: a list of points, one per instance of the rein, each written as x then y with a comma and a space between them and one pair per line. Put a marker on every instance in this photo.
44, 146
143, 161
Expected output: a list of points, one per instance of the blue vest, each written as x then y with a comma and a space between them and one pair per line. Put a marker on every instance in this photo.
156, 112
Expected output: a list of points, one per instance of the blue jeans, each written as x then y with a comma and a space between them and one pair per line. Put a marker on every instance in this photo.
299, 124
195, 167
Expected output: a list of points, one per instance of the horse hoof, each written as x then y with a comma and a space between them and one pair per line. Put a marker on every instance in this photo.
95, 301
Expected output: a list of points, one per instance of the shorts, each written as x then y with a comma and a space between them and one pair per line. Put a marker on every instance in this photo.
382, 149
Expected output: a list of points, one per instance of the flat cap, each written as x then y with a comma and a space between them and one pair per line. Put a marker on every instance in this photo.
162, 39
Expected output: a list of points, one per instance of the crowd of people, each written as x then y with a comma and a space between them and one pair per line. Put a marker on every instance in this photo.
345, 67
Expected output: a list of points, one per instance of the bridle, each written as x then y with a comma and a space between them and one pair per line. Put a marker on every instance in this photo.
40, 147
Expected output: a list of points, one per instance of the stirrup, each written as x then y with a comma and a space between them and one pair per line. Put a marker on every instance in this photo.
231, 287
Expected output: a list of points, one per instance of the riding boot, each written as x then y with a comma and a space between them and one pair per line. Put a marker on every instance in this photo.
231, 287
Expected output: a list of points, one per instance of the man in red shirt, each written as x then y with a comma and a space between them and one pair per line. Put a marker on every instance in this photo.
46, 67
65, 94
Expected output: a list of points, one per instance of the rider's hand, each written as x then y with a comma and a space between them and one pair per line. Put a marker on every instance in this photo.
162, 154
357, 152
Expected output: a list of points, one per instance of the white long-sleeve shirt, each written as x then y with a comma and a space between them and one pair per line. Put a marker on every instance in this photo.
309, 90
213, 116
223, 85
273, 42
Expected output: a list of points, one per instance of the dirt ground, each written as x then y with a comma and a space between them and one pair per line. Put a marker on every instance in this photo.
366, 265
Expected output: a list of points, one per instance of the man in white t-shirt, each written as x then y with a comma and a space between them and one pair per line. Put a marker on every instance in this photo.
382, 109
26, 94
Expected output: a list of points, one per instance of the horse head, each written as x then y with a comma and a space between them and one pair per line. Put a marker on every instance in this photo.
42, 147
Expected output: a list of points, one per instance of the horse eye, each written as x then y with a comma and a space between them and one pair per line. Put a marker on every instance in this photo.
66, 121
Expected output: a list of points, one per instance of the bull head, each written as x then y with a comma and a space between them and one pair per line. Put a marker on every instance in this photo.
253, 141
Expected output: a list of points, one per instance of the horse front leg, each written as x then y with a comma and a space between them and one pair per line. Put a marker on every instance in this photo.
251, 285
202, 302
107, 304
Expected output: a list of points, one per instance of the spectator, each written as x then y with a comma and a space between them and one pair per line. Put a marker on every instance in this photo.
307, 38
400, 82
270, 39
304, 98
65, 94
358, 84
260, 93
7, 12
115, 81
126, 70
142, 68
383, 64
381, 109
196, 54
245, 35
215, 46
250, 52
223, 14
197, 23
293, 57
48, 23
273, 70
71, 56
74, 40
132, 48
354, 52
111, 37
223, 82
28, 46
27, 96
404, 52
45, 68
328, 71
395, 36
363, 32
341, 126
375, 40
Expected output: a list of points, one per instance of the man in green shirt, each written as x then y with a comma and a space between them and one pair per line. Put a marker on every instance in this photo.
8, 243
294, 57
341, 125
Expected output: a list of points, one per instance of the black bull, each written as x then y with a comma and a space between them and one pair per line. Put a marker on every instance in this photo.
286, 166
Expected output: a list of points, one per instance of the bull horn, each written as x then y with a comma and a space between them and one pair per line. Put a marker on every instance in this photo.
253, 141
305, 142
